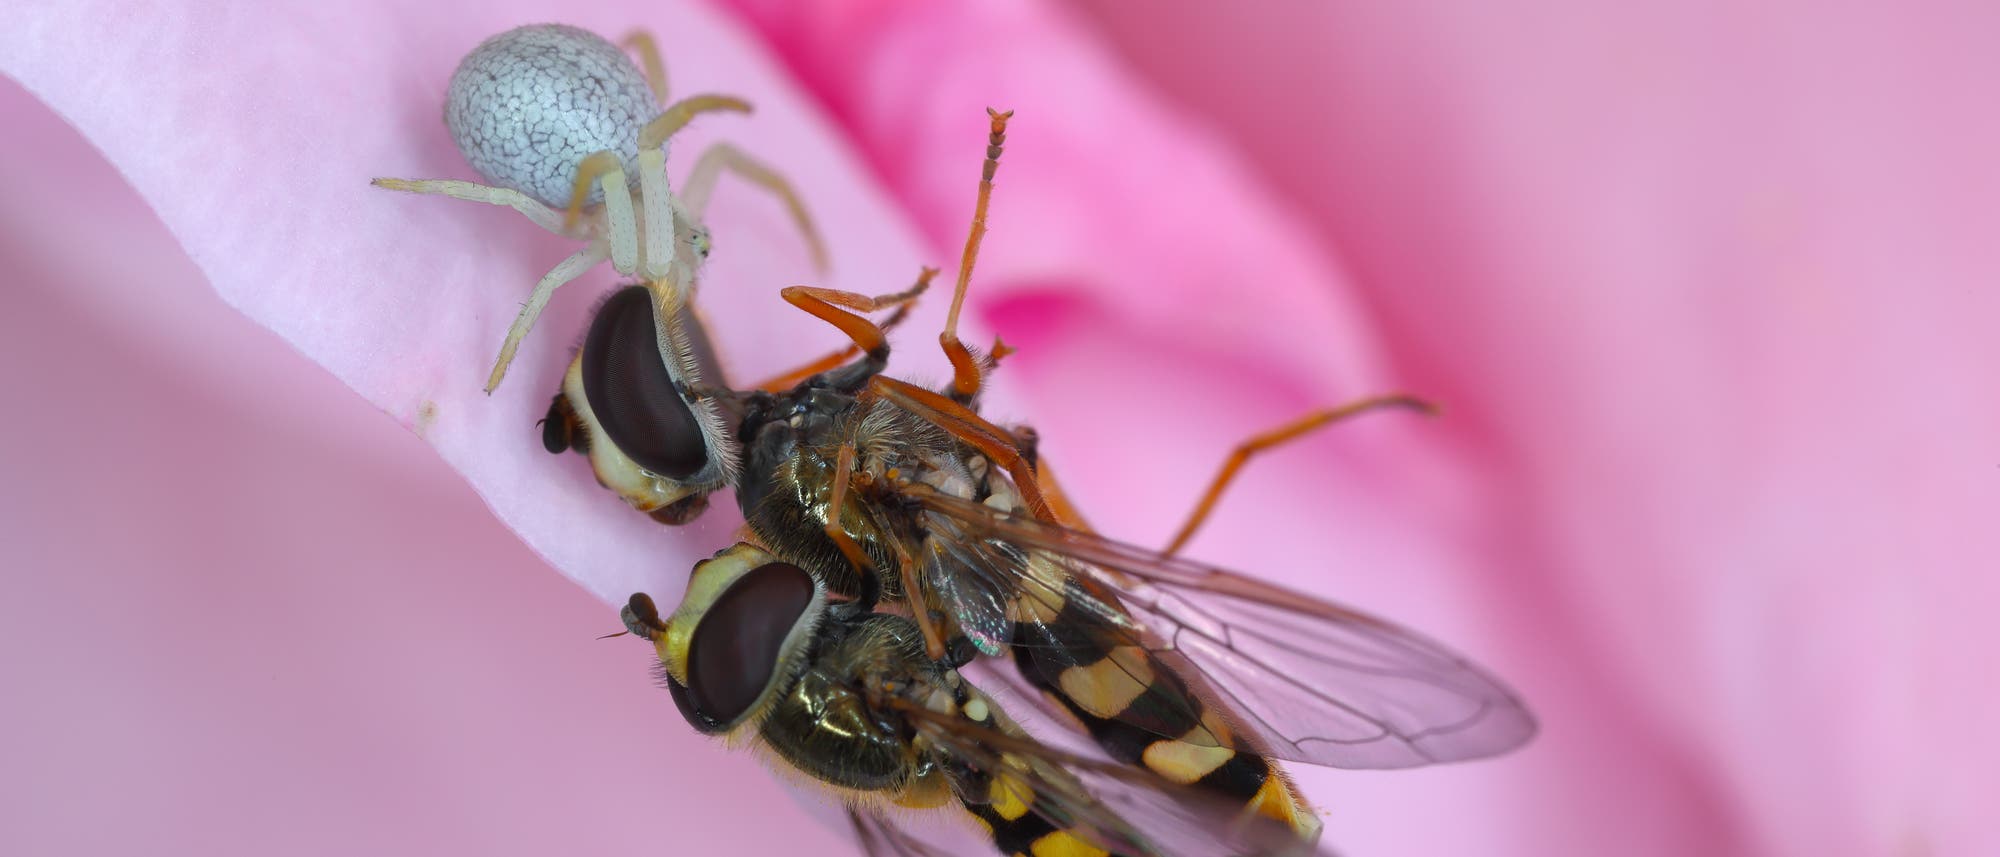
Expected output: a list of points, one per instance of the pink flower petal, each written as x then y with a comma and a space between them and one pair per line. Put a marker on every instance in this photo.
1716, 289
245, 615
1169, 308
254, 133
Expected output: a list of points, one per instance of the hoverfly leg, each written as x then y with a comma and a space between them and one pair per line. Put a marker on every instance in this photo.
960, 651
991, 359
902, 301
836, 506
992, 441
862, 602
1277, 437
967, 374
787, 380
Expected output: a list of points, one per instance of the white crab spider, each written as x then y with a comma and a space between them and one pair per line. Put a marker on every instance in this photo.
558, 121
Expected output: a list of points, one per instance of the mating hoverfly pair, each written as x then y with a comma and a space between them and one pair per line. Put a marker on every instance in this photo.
898, 543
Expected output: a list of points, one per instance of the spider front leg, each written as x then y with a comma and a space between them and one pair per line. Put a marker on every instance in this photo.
565, 271
618, 241
724, 157
664, 228
542, 215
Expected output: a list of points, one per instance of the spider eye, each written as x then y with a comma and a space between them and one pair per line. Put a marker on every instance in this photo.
632, 392
736, 649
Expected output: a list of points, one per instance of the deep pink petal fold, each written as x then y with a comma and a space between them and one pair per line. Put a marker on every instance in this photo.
1717, 285
1167, 305
1650, 252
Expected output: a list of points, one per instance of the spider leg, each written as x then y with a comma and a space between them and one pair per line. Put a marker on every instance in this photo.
641, 42
663, 233
724, 157
564, 271
621, 228
542, 215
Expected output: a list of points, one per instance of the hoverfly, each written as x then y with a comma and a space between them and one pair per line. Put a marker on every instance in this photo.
875, 485
760, 654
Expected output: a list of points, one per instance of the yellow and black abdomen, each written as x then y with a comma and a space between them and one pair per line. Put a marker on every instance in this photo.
1018, 830
1131, 702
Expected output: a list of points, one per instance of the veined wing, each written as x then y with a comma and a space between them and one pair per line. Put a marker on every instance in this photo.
1312, 681
882, 836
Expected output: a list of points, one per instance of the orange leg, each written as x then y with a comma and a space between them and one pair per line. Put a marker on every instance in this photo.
1279, 436
991, 440
966, 375
826, 305
991, 359
1059, 503
836, 505
787, 380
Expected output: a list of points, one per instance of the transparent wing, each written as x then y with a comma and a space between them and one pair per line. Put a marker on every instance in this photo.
1312, 681
1122, 809
952, 562
880, 836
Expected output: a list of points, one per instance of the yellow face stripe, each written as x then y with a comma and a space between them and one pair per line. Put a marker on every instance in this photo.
1184, 763
1065, 844
1106, 687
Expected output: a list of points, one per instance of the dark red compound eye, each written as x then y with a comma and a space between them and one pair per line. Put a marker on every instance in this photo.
626, 381
733, 655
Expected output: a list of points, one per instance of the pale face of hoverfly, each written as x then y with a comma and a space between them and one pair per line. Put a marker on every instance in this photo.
632, 402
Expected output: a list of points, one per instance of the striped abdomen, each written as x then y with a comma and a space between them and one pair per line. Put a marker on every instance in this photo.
1127, 699
1018, 831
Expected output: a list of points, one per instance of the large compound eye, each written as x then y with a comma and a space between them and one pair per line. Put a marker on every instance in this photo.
626, 381
735, 651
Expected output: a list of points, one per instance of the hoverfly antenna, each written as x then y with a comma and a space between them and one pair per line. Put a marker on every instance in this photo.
642, 618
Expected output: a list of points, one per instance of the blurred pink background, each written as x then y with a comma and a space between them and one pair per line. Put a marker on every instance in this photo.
1708, 291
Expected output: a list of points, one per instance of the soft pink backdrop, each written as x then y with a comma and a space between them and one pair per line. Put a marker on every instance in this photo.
1706, 292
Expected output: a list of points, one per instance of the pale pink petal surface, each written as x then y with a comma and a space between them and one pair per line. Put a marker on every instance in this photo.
255, 133
245, 614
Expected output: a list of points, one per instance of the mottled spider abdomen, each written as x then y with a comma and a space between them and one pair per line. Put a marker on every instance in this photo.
529, 104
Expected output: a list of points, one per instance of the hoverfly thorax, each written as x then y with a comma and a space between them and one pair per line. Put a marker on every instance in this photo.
633, 401
789, 465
